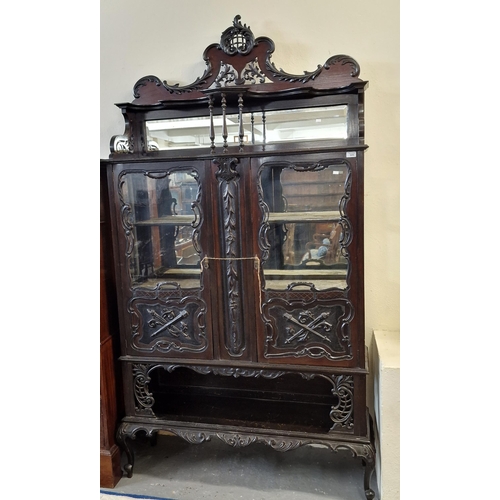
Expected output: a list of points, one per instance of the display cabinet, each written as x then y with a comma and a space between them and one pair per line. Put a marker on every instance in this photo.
237, 211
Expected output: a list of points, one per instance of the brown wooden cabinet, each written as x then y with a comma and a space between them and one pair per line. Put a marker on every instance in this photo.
110, 392
237, 211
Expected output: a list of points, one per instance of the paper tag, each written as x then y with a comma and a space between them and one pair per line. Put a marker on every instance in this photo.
350, 154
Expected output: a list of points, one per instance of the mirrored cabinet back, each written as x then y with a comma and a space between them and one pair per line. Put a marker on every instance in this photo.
236, 207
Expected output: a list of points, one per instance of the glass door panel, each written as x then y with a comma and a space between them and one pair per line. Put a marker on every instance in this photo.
162, 221
304, 227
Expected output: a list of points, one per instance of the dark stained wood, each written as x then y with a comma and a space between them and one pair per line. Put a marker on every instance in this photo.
110, 397
210, 349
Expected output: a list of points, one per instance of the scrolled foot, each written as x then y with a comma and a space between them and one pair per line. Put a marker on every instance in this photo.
368, 461
370, 494
125, 432
129, 470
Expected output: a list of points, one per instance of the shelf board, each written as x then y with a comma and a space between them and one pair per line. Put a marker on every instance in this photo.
324, 273
176, 220
182, 272
317, 216
322, 284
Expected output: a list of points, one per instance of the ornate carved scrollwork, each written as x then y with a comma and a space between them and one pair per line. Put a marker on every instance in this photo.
198, 84
229, 371
252, 72
239, 440
229, 184
228, 76
236, 440
121, 144
237, 39
312, 75
342, 60
346, 235
144, 399
192, 437
242, 59
281, 75
363, 451
342, 412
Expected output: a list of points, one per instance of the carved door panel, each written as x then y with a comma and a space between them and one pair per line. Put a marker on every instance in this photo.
305, 232
161, 215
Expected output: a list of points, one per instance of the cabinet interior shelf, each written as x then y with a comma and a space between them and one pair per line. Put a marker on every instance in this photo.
176, 220
319, 216
274, 217
292, 273
183, 396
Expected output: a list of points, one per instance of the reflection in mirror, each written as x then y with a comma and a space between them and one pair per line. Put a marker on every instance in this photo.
161, 211
267, 127
304, 234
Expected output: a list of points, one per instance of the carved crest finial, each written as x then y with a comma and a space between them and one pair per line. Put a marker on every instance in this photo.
237, 39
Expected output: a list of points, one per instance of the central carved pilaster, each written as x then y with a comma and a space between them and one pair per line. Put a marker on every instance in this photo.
228, 179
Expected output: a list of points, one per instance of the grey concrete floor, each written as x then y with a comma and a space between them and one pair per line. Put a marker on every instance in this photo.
213, 470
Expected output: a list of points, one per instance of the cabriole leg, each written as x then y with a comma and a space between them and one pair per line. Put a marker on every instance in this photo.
122, 437
369, 467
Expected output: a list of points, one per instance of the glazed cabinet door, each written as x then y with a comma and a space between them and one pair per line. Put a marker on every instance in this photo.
308, 230
162, 216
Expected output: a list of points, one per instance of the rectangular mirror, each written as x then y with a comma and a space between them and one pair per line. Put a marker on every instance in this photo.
266, 127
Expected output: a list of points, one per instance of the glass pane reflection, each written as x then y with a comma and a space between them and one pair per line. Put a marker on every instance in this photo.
305, 235
162, 216
268, 127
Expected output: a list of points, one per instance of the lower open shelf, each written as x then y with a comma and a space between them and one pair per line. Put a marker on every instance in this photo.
240, 407
286, 403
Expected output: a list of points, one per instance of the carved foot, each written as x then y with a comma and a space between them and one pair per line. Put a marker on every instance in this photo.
122, 438
369, 467
129, 470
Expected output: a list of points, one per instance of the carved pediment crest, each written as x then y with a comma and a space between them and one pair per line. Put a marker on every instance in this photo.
237, 39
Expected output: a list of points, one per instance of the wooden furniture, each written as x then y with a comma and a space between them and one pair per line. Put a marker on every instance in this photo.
111, 408
236, 321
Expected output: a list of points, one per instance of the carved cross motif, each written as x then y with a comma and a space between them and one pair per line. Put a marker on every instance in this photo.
167, 321
308, 324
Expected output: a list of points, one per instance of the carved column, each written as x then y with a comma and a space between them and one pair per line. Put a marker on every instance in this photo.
228, 178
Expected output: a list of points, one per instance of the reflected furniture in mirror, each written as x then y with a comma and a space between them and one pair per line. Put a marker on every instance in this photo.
237, 211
